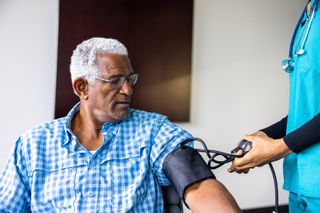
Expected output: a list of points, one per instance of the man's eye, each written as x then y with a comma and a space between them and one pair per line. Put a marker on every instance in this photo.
115, 80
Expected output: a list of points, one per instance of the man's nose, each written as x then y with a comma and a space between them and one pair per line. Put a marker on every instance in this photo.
126, 88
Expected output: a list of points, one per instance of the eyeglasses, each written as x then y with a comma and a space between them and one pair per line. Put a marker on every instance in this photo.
118, 82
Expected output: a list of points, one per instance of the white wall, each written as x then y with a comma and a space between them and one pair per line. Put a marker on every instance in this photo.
237, 84
28, 41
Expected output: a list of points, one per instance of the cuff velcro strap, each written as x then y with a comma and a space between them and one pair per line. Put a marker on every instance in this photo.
184, 167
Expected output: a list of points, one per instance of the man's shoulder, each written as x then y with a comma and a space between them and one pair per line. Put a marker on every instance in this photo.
136, 114
47, 130
48, 126
143, 120
41, 146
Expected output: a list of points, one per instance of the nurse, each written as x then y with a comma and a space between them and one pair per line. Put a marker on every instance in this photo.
296, 137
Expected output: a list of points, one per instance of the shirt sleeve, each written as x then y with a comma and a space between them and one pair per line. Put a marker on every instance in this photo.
14, 190
166, 140
305, 136
277, 130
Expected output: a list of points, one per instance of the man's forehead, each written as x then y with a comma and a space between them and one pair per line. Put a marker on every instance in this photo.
111, 64
111, 57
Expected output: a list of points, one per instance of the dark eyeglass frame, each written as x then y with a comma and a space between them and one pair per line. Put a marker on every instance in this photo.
118, 81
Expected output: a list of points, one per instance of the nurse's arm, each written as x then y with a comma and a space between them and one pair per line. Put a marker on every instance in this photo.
264, 150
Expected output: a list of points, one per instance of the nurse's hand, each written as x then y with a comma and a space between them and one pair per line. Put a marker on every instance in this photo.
264, 150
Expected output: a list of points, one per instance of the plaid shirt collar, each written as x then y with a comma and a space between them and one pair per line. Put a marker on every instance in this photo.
107, 128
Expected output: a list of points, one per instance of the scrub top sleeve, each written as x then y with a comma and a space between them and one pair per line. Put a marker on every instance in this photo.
276, 130
305, 136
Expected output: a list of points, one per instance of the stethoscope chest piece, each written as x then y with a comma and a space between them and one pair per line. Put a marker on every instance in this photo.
288, 65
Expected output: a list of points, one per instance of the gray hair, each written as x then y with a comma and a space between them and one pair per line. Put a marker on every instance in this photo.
83, 59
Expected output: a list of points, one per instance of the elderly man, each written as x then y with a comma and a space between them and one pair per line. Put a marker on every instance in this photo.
104, 156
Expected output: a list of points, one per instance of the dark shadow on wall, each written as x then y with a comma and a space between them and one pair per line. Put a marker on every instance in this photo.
158, 35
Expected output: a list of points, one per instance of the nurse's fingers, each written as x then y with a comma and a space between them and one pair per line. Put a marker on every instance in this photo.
232, 168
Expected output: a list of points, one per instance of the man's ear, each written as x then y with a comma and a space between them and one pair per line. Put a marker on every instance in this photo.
80, 87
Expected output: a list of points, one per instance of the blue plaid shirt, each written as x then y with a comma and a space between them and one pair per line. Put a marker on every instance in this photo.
49, 171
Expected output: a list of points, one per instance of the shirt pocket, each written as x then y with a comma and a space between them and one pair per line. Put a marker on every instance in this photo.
54, 189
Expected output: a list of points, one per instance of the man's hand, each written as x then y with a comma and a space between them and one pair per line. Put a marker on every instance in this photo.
210, 196
264, 150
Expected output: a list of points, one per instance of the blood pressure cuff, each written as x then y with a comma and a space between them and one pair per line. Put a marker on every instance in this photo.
184, 167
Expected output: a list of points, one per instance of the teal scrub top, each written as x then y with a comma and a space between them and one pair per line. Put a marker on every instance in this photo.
302, 170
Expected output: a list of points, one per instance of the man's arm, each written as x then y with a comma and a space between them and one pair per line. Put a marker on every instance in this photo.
210, 196
196, 184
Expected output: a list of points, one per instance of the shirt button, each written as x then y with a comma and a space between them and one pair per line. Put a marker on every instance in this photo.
92, 164
90, 194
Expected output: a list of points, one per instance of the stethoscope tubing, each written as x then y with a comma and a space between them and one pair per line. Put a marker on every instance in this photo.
313, 10
288, 64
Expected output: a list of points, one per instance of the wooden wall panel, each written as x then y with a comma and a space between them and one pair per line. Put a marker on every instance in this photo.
158, 35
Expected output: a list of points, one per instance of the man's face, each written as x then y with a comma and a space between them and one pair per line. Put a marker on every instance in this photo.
106, 101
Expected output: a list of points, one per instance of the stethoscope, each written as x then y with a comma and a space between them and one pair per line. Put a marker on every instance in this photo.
288, 64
